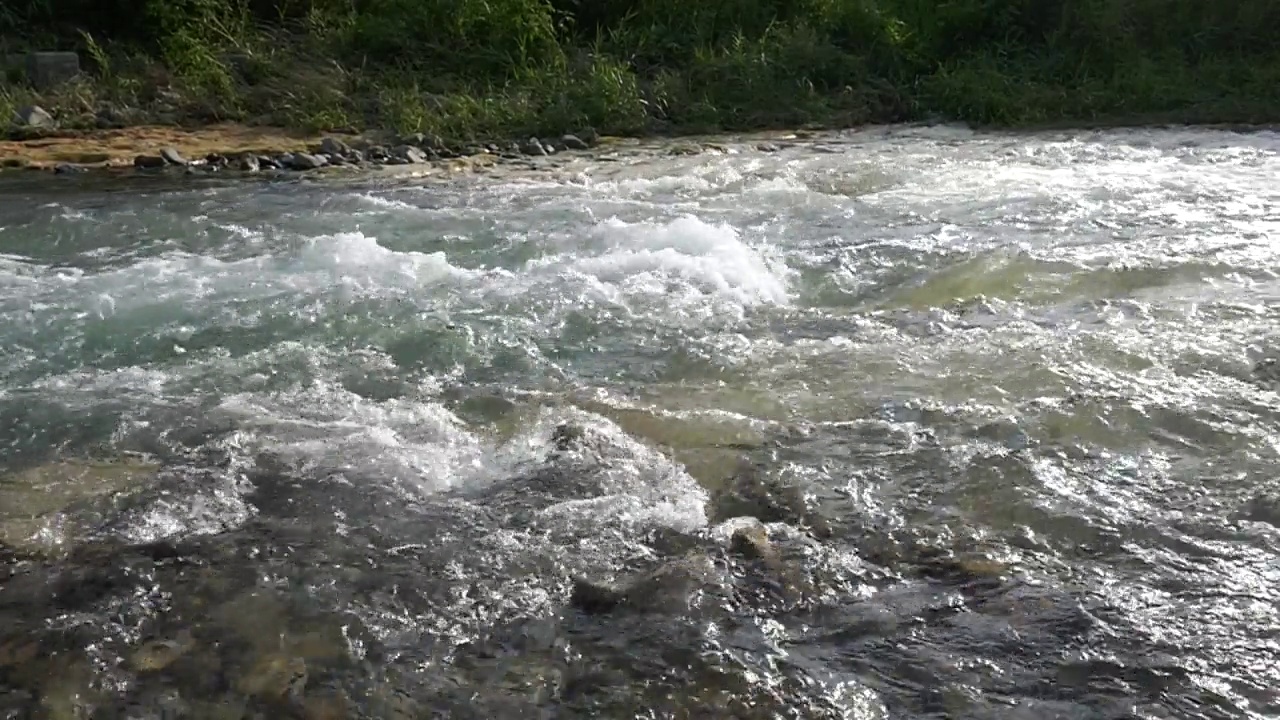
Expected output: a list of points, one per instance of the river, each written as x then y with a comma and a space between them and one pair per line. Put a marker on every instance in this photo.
913, 422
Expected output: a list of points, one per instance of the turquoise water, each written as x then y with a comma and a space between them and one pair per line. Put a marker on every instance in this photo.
1001, 400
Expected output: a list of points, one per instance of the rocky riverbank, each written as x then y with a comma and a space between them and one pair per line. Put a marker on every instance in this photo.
236, 149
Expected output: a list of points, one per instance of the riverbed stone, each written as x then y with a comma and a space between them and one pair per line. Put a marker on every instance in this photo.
532, 147
173, 157
35, 117
47, 70
573, 142
148, 162
304, 161
156, 655
274, 676
29, 498
334, 146
408, 154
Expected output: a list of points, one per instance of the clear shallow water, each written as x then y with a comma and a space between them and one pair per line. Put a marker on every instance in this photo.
1002, 401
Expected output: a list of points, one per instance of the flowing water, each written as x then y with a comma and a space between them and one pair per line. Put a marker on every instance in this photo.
898, 423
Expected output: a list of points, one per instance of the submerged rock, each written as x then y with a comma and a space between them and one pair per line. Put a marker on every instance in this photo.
274, 676
1266, 373
157, 655
753, 492
32, 498
670, 588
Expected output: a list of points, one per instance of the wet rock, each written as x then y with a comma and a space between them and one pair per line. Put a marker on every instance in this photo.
303, 161
594, 598
29, 498
216, 160
173, 157
752, 492
408, 154
670, 588
16, 651
752, 542
1266, 373
267, 161
573, 142
68, 169
1263, 507
248, 164
330, 706
334, 146
768, 147
274, 677
567, 436
532, 147
156, 655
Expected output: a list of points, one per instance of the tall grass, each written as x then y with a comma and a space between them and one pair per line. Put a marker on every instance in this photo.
489, 68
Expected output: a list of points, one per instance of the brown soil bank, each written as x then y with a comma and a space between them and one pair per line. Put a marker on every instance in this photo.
118, 148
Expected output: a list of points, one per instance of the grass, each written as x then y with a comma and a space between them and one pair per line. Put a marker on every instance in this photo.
500, 69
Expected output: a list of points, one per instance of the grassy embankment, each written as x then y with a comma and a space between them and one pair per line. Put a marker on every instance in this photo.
472, 69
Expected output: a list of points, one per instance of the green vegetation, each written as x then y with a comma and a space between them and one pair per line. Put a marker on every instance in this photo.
511, 68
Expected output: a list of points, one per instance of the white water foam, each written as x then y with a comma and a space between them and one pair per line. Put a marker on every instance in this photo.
687, 264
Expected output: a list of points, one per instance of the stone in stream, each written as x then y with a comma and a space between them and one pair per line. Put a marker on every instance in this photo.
669, 588
304, 161
275, 676
148, 162
334, 146
753, 492
173, 157
156, 655
533, 147
31, 498
1266, 373
34, 117
408, 154
573, 142
248, 163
